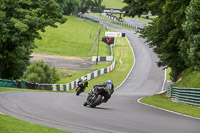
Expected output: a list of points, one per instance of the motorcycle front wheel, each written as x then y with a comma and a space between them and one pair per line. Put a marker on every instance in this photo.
78, 91
96, 102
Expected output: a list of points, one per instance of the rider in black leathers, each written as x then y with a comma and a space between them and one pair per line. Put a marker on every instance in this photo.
109, 88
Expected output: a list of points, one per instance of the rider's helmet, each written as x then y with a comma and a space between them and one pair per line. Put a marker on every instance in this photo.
109, 82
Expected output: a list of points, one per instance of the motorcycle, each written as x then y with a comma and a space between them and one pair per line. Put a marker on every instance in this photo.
80, 88
95, 97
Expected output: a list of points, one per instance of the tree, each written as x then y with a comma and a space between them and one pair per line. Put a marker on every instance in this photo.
88, 4
85, 5
40, 72
20, 23
165, 33
97, 4
68, 6
55, 76
191, 44
137, 7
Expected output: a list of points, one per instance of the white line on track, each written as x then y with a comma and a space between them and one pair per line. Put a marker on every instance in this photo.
163, 86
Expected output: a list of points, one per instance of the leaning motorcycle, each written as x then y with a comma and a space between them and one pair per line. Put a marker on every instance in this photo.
80, 88
95, 97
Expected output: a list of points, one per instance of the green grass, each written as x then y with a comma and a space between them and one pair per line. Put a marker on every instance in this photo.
163, 102
101, 65
67, 76
115, 4
6, 89
74, 38
189, 79
13, 125
168, 72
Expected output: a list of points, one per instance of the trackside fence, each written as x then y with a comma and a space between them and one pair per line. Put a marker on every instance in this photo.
185, 95
88, 18
128, 25
123, 23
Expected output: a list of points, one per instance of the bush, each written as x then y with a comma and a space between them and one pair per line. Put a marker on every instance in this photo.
41, 72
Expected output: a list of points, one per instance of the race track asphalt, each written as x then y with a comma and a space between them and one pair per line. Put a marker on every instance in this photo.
121, 114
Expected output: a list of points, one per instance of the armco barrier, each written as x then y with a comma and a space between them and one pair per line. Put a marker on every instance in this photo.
124, 23
128, 25
88, 18
185, 95
102, 58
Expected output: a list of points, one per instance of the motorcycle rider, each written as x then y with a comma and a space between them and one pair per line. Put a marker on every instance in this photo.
109, 88
84, 82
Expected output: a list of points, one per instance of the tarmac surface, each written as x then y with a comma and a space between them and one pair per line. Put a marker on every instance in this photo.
64, 62
121, 114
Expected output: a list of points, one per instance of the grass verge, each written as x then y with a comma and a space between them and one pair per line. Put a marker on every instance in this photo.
6, 89
161, 101
189, 79
67, 76
13, 125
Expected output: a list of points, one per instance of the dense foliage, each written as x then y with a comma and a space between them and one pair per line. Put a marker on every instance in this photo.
40, 72
69, 6
191, 43
20, 23
74, 6
88, 4
174, 34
